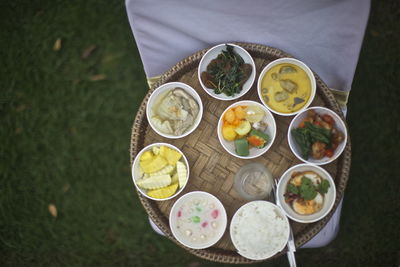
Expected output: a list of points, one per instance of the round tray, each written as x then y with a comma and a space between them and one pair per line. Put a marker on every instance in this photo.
212, 169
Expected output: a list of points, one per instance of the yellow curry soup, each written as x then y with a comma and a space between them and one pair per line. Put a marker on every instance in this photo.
285, 88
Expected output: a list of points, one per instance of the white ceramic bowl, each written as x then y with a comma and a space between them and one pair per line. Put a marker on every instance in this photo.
211, 54
329, 198
266, 226
136, 170
221, 220
229, 146
294, 62
163, 89
339, 124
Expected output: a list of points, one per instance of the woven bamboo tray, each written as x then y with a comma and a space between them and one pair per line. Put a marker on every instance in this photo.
212, 169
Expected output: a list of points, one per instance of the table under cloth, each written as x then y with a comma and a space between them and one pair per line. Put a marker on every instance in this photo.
325, 34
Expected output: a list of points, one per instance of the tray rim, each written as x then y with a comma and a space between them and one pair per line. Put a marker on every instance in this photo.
140, 125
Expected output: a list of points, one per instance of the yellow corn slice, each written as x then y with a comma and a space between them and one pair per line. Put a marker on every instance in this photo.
163, 192
153, 165
147, 155
175, 179
156, 150
154, 182
171, 155
182, 173
166, 170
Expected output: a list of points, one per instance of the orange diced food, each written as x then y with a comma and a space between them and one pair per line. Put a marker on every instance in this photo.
255, 141
228, 132
229, 116
239, 112
236, 122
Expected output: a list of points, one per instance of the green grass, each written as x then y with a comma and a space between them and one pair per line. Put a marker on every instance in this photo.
65, 140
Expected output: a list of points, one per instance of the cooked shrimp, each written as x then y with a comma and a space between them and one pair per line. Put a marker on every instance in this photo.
318, 150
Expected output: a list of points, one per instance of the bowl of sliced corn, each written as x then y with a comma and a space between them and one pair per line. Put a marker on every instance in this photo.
160, 171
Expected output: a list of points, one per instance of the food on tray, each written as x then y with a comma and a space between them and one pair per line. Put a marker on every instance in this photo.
174, 112
259, 230
162, 172
305, 192
253, 114
243, 128
155, 181
246, 126
257, 138
242, 147
229, 132
317, 136
285, 88
227, 73
199, 219
154, 164
172, 156
181, 172
163, 192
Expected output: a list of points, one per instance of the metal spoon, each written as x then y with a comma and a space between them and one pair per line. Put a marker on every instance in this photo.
290, 245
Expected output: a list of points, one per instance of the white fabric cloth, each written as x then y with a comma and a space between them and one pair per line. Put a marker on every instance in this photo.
325, 34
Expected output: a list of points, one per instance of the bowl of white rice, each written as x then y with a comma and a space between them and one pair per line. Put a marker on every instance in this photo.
259, 230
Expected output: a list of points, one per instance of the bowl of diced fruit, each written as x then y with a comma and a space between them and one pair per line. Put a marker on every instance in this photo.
246, 129
160, 171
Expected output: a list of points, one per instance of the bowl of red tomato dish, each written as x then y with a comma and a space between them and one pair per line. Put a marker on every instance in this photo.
317, 135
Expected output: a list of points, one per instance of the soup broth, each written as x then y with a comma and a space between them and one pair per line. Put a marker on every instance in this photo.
199, 220
286, 88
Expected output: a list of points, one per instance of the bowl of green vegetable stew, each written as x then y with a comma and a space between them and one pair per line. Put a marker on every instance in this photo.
317, 135
226, 71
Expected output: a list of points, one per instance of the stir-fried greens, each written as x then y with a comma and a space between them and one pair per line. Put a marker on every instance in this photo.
317, 136
310, 134
227, 73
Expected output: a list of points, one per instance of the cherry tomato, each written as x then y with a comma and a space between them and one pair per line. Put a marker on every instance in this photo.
317, 123
329, 153
328, 119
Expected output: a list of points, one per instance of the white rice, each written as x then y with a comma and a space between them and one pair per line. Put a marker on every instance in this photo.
259, 230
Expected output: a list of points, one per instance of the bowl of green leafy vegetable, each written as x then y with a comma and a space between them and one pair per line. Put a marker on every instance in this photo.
317, 135
226, 71
306, 193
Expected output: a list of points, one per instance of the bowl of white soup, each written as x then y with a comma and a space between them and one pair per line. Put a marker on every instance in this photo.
174, 110
198, 220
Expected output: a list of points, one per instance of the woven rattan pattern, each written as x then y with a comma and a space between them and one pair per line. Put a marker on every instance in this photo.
212, 169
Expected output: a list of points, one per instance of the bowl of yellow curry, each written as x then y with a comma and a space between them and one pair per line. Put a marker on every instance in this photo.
286, 86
